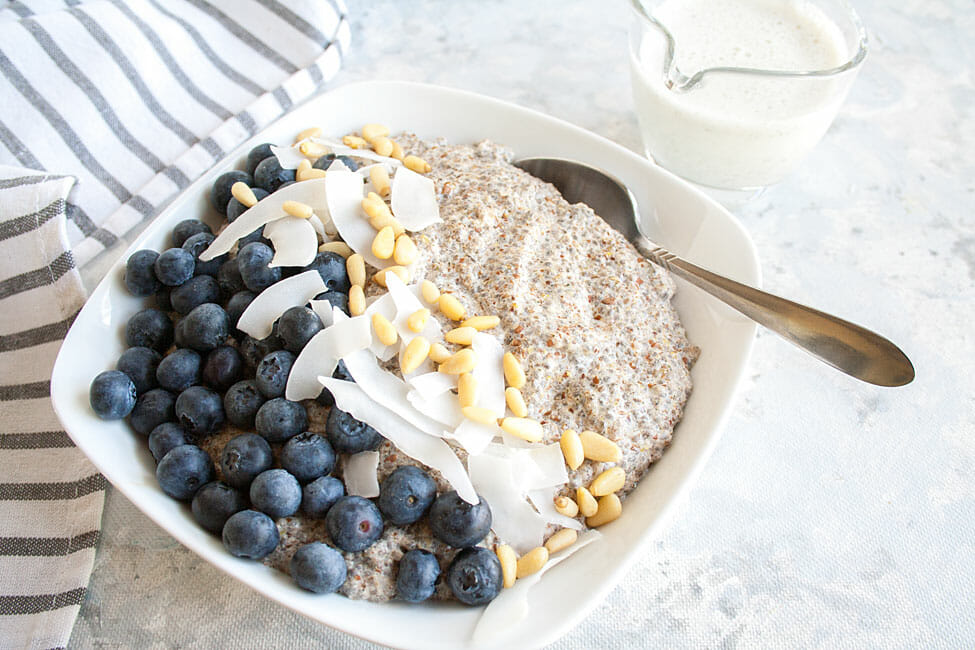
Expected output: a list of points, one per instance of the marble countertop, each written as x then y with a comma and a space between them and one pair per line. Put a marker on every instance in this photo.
832, 513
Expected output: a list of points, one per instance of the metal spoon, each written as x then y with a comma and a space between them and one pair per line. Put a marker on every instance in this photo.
848, 347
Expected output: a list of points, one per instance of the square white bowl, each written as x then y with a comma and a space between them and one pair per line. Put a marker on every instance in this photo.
675, 215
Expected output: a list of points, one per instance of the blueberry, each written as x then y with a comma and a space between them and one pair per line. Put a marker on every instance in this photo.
140, 273
279, 419
326, 161
336, 299
270, 175
253, 350
296, 327
163, 300
199, 410
196, 245
354, 523
253, 260
455, 522
238, 303
235, 208
307, 456
276, 493
228, 278
174, 266
318, 567
186, 229
416, 578
149, 328
320, 495
139, 364
204, 328
272, 373
474, 576
215, 503
165, 437
179, 370
152, 409
255, 236
183, 471
256, 155
220, 192
244, 457
350, 436
112, 395
406, 494
222, 368
241, 402
331, 266
250, 534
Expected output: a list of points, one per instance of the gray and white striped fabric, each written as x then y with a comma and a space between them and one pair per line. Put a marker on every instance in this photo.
108, 108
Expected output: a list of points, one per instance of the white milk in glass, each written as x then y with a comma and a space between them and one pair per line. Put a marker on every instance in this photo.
734, 130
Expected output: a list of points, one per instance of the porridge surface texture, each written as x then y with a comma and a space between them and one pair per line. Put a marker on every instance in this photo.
589, 318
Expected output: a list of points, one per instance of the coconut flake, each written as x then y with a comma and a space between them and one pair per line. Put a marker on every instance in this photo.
550, 466
311, 192
319, 227
340, 149
513, 518
338, 166
413, 199
407, 304
288, 157
321, 354
431, 384
544, 502
268, 306
294, 241
500, 617
443, 408
473, 436
344, 197
323, 309
489, 373
360, 474
432, 452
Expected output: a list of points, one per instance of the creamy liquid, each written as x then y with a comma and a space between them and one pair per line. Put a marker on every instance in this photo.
734, 130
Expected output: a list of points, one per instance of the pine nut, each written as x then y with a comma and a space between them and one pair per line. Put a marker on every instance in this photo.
515, 401
399, 271
355, 266
311, 132
586, 502
418, 320
513, 372
450, 307
338, 247
609, 509
298, 209
438, 353
467, 390
601, 448
459, 362
357, 300
415, 354
384, 220
354, 142
509, 564
374, 206
311, 174
572, 448
312, 149
461, 335
566, 506
385, 331
405, 252
479, 414
380, 179
430, 292
532, 561
524, 428
382, 145
417, 164
561, 540
481, 323
372, 131
244, 194
383, 243
397, 151
608, 481
303, 168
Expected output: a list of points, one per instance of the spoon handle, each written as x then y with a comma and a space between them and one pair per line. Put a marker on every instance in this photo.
848, 347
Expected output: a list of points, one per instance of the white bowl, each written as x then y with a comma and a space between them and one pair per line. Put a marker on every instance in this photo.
677, 216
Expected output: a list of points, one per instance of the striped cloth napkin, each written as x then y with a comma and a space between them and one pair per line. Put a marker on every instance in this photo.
110, 109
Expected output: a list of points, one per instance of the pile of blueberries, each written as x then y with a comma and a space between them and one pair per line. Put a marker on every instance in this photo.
179, 382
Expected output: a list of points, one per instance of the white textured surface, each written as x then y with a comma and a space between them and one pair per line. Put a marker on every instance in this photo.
832, 514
